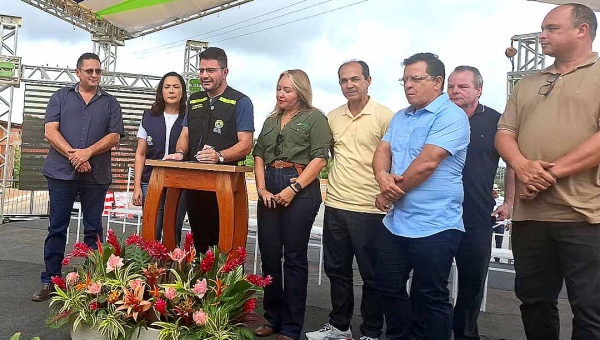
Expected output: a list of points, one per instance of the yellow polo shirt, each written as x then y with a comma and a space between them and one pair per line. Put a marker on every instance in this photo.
352, 185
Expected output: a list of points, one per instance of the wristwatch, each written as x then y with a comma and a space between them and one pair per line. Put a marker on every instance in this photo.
221, 159
297, 186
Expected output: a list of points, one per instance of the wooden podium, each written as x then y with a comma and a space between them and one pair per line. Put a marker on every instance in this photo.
227, 181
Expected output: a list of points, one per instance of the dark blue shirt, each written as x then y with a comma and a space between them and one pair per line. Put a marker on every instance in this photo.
81, 126
480, 169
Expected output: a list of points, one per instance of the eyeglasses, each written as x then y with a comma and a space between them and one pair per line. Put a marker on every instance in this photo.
210, 70
91, 71
550, 82
279, 145
414, 79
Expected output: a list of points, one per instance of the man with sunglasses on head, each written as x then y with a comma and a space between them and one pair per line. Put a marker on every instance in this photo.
549, 135
82, 124
352, 222
217, 129
418, 166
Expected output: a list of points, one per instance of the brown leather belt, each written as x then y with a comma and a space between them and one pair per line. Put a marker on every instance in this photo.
279, 164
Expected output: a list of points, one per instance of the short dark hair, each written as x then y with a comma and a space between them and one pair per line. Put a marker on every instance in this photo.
582, 14
159, 103
215, 53
477, 78
364, 67
435, 67
87, 56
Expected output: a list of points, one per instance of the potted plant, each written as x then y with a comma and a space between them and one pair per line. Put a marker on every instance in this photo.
123, 289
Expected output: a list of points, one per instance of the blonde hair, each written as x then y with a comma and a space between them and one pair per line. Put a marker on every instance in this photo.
302, 87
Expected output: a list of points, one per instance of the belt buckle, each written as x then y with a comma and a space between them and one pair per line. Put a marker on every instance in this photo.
278, 164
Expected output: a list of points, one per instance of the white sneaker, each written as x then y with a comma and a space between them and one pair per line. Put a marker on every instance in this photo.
364, 337
328, 331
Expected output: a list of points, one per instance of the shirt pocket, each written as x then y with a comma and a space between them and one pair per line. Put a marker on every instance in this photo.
417, 140
299, 134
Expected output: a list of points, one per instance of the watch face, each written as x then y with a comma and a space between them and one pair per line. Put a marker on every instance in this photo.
297, 186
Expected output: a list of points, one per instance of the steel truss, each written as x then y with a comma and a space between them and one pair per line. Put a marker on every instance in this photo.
529, 58
44, 75
9, 79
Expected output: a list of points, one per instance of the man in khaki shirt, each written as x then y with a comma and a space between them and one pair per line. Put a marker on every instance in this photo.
352, 222
549, 135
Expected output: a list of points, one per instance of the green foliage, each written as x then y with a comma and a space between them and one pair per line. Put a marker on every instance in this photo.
324, 174
17, 336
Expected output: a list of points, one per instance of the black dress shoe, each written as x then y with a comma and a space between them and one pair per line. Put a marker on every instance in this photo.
264, 330
44, 293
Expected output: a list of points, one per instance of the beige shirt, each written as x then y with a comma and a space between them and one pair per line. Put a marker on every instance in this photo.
547, 128
352, 185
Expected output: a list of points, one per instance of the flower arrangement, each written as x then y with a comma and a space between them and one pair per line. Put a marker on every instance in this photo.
123, 286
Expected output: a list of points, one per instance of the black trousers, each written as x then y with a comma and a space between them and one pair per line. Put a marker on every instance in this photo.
472, 262
349, 234
203, 213
283, 233
546, 253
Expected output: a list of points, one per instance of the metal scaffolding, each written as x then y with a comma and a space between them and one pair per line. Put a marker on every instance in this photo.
191, 62
529, 58
106, 49
10, 72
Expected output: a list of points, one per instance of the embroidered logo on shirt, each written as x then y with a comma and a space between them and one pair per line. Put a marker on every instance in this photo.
218, 126
149, 140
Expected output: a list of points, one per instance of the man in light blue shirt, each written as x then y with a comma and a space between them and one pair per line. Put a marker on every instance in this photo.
418, 166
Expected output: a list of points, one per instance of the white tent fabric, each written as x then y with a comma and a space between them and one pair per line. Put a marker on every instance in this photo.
593, 4
150, 13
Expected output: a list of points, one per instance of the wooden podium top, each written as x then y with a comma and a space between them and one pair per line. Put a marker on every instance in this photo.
198, 166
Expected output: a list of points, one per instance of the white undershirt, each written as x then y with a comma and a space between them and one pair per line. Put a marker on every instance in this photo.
170, 119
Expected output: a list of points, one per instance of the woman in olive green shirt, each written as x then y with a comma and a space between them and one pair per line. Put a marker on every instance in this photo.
289, 154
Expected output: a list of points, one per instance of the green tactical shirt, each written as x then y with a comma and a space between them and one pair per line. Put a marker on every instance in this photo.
306, 137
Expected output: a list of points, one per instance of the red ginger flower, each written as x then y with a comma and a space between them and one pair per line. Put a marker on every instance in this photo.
94, 305
208, 261
234, 259
112, 240
59, 282
156, 249
189, 242
134, 239
250, 305
79, 250
259, 281
161, 306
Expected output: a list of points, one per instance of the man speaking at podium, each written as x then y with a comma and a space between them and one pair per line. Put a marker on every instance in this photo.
217, 129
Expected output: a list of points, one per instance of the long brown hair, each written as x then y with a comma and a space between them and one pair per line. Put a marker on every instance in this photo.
159, 104
302, 87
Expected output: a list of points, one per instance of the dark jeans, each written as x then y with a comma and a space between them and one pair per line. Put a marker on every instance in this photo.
284, 233
546, 253
62, 196
498, 230
347, 234
472, 262
430, 258
203, 213
181, 210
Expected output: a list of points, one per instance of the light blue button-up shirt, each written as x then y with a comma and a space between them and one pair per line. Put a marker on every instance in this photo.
436, 204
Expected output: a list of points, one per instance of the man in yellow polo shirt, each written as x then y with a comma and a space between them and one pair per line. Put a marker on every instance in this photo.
352, 221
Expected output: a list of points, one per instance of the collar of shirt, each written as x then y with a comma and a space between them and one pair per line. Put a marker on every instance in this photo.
589, 61
479, 109
367, 110
432, 107
99, 90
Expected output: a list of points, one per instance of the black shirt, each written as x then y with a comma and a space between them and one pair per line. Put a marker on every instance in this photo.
480, 169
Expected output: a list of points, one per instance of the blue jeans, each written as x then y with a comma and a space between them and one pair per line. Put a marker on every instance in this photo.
62, 196
284, 233
430, 258
346, 235
181, 210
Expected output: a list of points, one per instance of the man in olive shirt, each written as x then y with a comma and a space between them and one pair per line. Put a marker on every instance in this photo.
352, 222
549, 136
